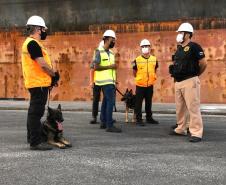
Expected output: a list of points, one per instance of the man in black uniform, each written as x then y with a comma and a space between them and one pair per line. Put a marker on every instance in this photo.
188, 64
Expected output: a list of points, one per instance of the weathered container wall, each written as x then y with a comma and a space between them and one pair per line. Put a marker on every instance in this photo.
70, 15
71, 55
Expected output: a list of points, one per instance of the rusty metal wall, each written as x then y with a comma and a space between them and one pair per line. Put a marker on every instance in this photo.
71, 54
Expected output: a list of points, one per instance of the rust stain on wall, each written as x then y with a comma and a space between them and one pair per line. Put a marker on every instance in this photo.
71, 54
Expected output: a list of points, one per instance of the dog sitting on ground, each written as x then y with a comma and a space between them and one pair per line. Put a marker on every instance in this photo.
129, 98
52, 129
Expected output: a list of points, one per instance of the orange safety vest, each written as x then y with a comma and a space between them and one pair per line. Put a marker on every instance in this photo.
33, 74
145, 75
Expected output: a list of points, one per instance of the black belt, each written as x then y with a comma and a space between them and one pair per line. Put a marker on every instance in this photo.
184, 78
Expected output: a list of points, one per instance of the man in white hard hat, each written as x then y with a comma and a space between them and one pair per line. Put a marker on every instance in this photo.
38, 77
96, 88
188, 65
144, 70
105, 76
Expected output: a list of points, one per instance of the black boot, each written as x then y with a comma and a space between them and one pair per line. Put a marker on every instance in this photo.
139, 122
113, 129
174, 126
152, 121
93, 121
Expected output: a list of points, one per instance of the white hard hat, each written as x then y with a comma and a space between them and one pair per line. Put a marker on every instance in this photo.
186, 27
109, 33
145, 42
36, 21
101, 44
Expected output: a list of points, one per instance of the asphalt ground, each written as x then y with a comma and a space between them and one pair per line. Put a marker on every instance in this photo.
137, 156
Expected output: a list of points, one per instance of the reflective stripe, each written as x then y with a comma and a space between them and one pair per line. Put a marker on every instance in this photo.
105, 81
143, 62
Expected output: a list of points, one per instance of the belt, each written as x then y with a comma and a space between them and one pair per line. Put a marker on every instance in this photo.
184, 78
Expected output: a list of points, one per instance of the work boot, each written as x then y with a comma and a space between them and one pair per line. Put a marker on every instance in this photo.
140, 123
113, 129
41, 146
102, 126
151, 121
93, 121
174, 126
173, 133
195, 139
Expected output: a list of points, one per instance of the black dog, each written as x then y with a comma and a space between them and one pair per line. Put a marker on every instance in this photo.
129, 98
53, 129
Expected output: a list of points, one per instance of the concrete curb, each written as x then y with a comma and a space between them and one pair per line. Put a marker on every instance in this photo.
204, 112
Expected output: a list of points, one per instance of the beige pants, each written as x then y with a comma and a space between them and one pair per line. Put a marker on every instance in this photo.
187, 98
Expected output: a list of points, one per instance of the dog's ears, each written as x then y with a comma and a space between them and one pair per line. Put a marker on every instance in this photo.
59, 107
49, 110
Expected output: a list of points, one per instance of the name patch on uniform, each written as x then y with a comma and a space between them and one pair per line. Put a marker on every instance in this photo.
186, 48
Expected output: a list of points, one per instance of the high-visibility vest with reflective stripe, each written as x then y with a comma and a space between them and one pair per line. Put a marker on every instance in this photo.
33, 74
108, 76
145, 75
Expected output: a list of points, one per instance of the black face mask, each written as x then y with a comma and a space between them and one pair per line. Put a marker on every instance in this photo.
112, 44
43, 35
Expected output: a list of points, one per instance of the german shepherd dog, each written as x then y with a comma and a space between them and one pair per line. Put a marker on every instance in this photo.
52, 129
129, 98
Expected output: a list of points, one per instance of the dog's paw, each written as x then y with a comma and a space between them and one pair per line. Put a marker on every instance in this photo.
62, 146
127, 121
69, 145
66, 143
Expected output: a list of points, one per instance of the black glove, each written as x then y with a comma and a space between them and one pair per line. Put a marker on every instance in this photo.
171, 69
57, 76
55, 79
173, 57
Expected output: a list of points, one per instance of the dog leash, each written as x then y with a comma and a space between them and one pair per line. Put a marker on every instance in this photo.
119, 91
120, 94
49, 92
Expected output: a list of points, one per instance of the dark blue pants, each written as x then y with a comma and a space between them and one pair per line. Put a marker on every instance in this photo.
107, 105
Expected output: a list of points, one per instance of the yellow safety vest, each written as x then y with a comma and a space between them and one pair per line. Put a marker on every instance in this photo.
33, 74
107, 76
145, 75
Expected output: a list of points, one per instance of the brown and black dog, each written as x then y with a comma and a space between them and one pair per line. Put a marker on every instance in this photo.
52, 129
129, 98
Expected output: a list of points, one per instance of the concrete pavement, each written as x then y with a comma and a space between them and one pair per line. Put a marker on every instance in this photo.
160, 108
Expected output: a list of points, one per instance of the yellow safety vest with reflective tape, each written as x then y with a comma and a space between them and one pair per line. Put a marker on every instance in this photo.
145, 75
107, 76
33, 74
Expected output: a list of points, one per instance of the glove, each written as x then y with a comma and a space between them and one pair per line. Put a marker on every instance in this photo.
171, 69
57, 76
55, 79
173, 57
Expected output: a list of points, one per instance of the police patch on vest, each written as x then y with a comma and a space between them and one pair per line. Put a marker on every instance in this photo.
186, 48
